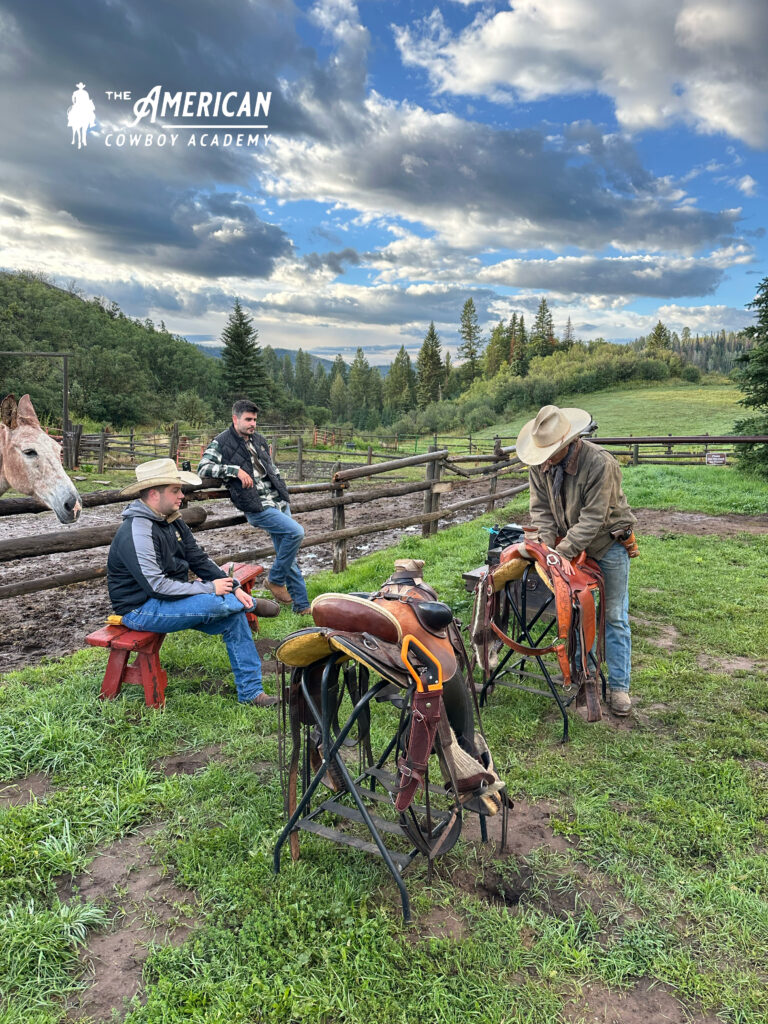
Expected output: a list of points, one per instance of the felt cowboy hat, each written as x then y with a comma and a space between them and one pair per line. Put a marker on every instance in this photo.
551, 430
159, 473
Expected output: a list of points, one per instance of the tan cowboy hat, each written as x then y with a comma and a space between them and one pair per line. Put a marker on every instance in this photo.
551, 430
159, 473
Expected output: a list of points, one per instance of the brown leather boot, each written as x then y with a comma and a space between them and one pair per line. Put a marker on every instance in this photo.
280, 591
620, 702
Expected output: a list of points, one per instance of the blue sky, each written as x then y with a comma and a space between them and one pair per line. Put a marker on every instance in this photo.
605, 154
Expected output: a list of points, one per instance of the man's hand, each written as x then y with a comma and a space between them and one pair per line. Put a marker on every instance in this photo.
223, 586
245, 480
565, 565
244, 598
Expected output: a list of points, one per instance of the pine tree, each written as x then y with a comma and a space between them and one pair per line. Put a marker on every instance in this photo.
568, 336
244, 373
497, 350
518, 347
542, 340
429, 368
471, 346
400, 385
339, 366
512, 335
659, 339
359, 389
288, 375
303, 377
322, 387
753, 382
339, 399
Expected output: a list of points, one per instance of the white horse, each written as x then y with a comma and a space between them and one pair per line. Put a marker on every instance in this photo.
81, 115
30, 460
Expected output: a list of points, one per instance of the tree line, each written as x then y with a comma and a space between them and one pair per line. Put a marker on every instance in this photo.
127, 371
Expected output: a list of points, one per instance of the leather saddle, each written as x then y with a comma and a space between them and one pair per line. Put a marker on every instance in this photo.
578, 624
406, 636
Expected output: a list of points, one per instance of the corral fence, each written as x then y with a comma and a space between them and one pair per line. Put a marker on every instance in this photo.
499, 476
499, 469
107, 449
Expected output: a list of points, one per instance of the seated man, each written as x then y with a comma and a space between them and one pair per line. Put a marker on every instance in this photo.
239, 457
148, 569
578, 504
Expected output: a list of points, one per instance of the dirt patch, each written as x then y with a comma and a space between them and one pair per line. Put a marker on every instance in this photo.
664, 521
20, 791
726, 665
504, 877
664, 634
646, 1003
145, 906
439, 923
517, 875
188, 762
81, 608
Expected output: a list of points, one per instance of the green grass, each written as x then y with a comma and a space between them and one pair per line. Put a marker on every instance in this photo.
667, 877
679, 409
717, 490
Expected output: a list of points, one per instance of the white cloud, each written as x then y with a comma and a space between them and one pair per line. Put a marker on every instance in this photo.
747, 185
660, 61
483, 187
626, 276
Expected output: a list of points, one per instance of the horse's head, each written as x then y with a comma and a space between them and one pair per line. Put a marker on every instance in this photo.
30, 460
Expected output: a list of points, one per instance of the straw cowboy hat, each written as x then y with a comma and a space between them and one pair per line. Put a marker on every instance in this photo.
159, 473
551, 430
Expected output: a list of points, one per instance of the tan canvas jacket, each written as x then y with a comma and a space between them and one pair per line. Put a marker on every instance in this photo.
592, 503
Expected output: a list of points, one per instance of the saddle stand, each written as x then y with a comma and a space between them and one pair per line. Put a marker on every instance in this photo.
524, 608
371, 800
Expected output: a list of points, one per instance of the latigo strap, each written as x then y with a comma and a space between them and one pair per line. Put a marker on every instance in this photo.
425, 716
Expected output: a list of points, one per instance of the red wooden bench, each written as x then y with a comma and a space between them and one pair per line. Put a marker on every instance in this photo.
146, 669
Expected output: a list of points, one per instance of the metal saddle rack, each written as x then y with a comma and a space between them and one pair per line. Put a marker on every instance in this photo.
404, 655
520, 609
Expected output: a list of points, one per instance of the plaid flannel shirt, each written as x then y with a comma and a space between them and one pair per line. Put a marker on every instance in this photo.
211, 464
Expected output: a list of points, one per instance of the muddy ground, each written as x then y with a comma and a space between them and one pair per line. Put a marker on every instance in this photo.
53, 623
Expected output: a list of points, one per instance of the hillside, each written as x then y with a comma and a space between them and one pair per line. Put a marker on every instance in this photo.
663, 408
122, 371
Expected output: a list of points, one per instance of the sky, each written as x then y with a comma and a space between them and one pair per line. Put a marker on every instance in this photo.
608, 155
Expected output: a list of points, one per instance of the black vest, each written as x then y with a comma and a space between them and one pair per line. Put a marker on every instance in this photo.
234, 452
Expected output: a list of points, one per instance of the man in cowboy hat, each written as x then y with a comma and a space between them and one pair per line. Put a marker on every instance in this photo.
578, 504
239, 457
148, 570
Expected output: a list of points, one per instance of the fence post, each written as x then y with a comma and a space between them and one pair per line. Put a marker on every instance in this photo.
300, 458
438, 466
77, 438
274, 449
470, 444
494, 473
370, 454
102, 450
173, 443
429, 477
339, 546
132, 444
635, 454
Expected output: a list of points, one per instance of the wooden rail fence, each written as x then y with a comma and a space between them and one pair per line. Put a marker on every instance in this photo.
304, 498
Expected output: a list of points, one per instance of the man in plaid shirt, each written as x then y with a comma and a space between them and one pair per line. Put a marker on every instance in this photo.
239, 456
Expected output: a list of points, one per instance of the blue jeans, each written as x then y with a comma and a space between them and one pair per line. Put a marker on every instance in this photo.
287, 536
208, 613
618, 638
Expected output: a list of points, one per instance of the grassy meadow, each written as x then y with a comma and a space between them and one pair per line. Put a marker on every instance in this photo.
656, 873
655, 409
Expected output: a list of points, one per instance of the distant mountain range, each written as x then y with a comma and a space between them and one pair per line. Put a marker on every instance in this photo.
216, 350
